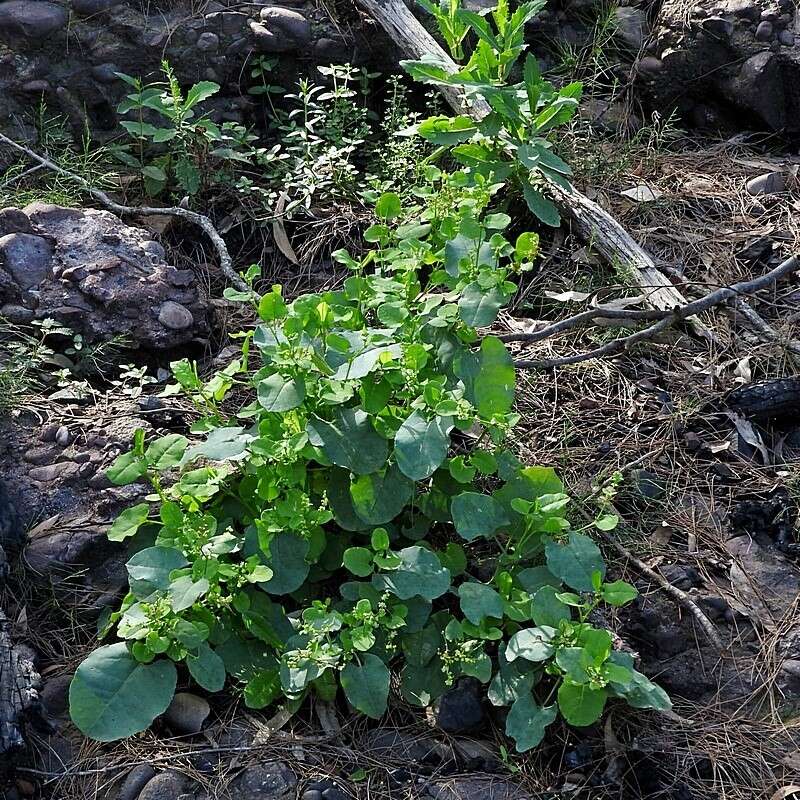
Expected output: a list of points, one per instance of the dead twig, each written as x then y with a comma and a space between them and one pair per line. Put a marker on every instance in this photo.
677, 594
203, 222
666, 319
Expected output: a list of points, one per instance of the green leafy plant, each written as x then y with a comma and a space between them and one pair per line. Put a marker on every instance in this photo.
510, 142
325, 531
178, 151
342, 472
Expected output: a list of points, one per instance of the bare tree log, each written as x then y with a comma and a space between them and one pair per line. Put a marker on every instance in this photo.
203, 222
594, 224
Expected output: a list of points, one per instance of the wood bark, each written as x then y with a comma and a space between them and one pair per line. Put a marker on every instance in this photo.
594, 224
18, 683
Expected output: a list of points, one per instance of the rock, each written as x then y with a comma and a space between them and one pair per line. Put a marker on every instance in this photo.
281, 30
648, 484
63, 436
165, 786
207, 42
724, 56
764, 32
106, 73
13, 220
175, 316
16, 314
390, 744
187, 712
41, 455
649, 65
104, 280
135, 781
55, 695
718, 27
32, 19
631, 26
62, 471
460, 709
90, 7
272, 780
26, 257
768, 183
681, 576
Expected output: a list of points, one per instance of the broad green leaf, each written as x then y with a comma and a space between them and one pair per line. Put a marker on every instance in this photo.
277, 393
358, 560
113, 696
420, 445
263, 689
166, 452
350, 441
479, 307
221, 444
126, 469
388, 206
421, 685
447, 130
641, 692
207, 668
341, 502
532, 644
547, 609
185, 592
199, 92
526, 722
534, 578
378, 498
477, 515
420, 573
149, 569
579, 703
479, 601
287, 560
128, 522
542, 208
618, 593
367, 685
488, 377
576, 561
512, 680
421, 647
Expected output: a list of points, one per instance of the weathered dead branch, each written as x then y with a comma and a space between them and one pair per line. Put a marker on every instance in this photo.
665, 319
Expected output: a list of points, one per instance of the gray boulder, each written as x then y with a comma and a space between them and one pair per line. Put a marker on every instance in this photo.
32, 19
98, 276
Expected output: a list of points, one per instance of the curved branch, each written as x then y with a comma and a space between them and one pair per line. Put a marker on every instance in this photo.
203, 222
665, 319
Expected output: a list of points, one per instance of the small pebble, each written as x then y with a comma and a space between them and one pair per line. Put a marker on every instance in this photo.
63, 436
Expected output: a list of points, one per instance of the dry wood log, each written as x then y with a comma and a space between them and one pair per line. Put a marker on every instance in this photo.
18, 691
594, 224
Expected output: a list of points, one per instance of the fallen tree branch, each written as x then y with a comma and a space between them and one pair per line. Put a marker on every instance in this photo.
677, 594
667, 319
203, 222
594, 224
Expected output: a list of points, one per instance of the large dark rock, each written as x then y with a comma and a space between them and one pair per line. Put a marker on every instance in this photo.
719, 58
461, 708
100, 277
32, 19
272, 780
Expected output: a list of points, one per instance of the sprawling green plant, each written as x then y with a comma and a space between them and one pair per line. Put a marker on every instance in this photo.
336, 526
357, 512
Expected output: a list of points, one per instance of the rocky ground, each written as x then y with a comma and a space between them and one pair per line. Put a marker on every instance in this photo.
711, 497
